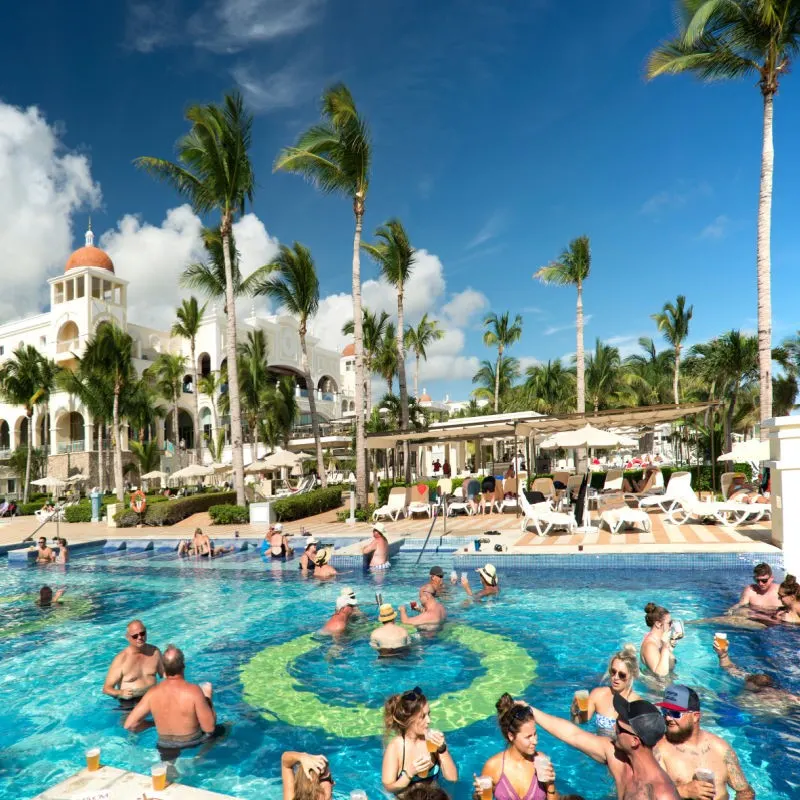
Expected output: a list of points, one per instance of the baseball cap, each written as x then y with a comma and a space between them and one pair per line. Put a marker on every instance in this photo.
437, 571
680, 698
344, 600
643, 717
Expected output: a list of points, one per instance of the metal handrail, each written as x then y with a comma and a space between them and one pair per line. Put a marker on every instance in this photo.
433, 522
56, 512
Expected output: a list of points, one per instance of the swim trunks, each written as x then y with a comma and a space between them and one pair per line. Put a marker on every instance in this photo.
170, 747
385, 565
129, 703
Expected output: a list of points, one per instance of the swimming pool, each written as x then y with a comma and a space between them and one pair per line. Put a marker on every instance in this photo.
550, 633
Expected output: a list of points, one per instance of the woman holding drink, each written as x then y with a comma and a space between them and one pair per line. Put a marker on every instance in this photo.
657, 646
417, 753
520, 772
599, 703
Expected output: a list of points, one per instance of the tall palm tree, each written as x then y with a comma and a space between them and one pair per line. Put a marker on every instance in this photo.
209, 385
147, 456
572, 269
214, 174
603, 375
293, 284
253, 380
190, 318
500, 333
551, 387
489, 378
167, 374
335, 155
673, 321
385, 362
48, 378
373, 328
734, 39
109, 352
281, 410
646, 373
21, 385
417, 340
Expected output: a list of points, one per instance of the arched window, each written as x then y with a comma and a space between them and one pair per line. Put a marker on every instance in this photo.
67, 339
204, 365
5, 435
188, 386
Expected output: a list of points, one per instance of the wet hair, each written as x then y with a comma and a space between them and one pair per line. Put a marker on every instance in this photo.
198, 530
759, 570
628, 657
45, 596
425, 791
307, 787
758, 681
511, 716
174, 663
63, 541
654, 613
400, 709
789, 588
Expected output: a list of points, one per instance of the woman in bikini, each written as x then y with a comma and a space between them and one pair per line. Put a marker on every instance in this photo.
622, 671
513, 772
656, 651
742, 492
407, 759
789, 594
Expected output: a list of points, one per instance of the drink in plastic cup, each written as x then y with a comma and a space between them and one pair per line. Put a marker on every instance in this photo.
541, 762
704, 775
358, 794
424, 773
158, 772
93, 759
432, 746
485, 782
721, 640
582, 701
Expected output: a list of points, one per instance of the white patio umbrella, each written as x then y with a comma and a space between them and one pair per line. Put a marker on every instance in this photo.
217, 467
155, 475
77, 478
49, 482
305, 456
749, 450
587, 436
281, 458
192, 471
254, 467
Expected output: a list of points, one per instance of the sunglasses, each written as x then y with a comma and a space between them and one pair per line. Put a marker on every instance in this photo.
762, 580
671, 713
139, 635
414, 694
615, 673
42, 541
521, 712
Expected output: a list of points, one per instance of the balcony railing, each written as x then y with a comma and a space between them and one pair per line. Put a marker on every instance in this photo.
67, 345
71, 447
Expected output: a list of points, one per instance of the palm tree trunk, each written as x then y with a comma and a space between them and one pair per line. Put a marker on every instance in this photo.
416, 376
26, 490
175, 424
101, 478
676, 376
312, 407
233, 368
579, 358
198, 441
118, 451
362, 488
763, 262
497, 379
402, 385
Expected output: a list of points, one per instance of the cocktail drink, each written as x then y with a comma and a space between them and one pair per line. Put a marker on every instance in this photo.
93, 759
721, 640
704, 775
432, 746
485, 783
582, 701
158, 772
542, 764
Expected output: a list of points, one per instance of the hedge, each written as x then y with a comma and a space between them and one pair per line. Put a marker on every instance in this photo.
363, 514
168, 513
307, 504
27, 509
229, 515
81, 512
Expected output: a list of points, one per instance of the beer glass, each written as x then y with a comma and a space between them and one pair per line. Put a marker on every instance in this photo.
721, 640
158, 772
93, 759
582, 700
485, 782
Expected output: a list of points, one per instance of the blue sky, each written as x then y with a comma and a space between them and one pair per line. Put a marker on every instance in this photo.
501, 131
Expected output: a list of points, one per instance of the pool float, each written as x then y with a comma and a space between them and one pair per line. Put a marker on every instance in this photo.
269, 686
69, 608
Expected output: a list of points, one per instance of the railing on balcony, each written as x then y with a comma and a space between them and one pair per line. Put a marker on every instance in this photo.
5, 452
67, 345
71, 447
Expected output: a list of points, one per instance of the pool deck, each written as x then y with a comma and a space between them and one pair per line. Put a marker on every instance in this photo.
110, 783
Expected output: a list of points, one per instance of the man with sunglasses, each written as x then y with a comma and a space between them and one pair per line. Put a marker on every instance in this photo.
762, 594
44, 555
134, 670
687, 751
629, 755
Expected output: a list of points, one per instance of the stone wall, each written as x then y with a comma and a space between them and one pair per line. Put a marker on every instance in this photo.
65, 464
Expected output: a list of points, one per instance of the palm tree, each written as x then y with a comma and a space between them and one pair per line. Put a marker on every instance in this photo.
293, 283
646, 373
281, 410
167, 374
147, 455
572, 269
734, 39
141, 406
335, 155
253, 380
215, 174
48, 377
386, 362
489, 381
373, 328
21, 385
108, 353
190, 318
500, 333
417, 340
603, 375
209, 385
551, 387
673, 322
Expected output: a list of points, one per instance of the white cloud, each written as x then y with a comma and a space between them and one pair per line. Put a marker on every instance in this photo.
674, 198
464, 305
627, 344
282, 89
529, 361
716, 229
43, 186
561, 328
490, 229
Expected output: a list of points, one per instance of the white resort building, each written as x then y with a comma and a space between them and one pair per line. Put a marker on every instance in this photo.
90, 293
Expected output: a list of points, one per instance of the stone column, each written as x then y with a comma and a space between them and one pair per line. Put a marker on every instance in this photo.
784, 449
90, 444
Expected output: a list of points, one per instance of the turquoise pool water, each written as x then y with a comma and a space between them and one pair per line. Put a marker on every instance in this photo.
226, 613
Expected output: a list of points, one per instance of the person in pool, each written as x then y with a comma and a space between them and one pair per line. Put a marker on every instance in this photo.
407, 759
390, 639
687, 748
183, 712
337, 624
789, 595
490, 584
378, 548
514, 772
305, 777
279, 543
323, 569
761, 595
657, 645
135, 669
44, 555
435, 584
47, 598
307, 559
63, 552
622, 671
432, 615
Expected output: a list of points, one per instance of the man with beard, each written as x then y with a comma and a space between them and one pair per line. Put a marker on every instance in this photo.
691, 755
629, 755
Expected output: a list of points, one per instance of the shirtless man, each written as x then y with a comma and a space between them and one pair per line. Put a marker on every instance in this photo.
629, 756
390, 639
135, 669
183, 712
323, 569
762, 594
379, 547
44, 555
686, 748
435, 584
432, 615
337, 624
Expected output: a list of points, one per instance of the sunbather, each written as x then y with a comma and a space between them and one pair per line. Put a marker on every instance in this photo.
742, 492
640, 487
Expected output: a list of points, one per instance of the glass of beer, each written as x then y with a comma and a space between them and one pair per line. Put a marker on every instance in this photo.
704, 775
432, 746
158, 772
93, 759
582, 701
721, 640
485, 783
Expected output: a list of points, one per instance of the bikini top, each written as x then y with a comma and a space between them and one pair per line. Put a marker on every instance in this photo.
505, 791
433, 772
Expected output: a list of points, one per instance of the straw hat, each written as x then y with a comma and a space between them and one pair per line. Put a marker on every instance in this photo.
386, 613
323, 556
380, 527
488, 573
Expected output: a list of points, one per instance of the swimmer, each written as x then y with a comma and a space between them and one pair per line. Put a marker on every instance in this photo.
789, 595
323, 569
279, 543
489, 583
622, 671
307, 560
44, 555
134, 670
435, 584
63, 552
47, 598
378, 548
656, 651
305, 777
514, 772
183, 712
432, 615
762, 594
687, 748
407, 760
337, 624
390, 639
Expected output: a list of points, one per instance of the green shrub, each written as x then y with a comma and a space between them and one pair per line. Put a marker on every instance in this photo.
229, 515
308, 504
27, 509
173, 511
81, 512
361, 514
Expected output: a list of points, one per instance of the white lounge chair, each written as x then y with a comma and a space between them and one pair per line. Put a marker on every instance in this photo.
545, 486
544, 518
678, 487
458, 503
503, 503
615, 513
613, 481
727, 513
395, 505
419, 500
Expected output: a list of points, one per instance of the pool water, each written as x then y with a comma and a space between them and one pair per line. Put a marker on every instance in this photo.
550, 633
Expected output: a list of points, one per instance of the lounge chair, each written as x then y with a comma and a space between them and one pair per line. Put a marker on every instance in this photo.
678, 487
503, 503
458, 503
543, 517
613, 481
616, 514
655, 485
420, 502
727, 513
545, 486
395, 505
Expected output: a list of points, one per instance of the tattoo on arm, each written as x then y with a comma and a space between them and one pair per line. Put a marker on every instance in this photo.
736, 778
